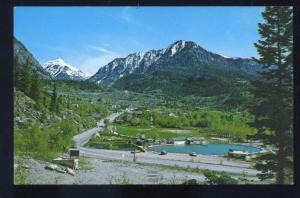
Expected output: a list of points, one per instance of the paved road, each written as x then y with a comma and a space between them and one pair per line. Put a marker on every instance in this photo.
84, 137
214, 163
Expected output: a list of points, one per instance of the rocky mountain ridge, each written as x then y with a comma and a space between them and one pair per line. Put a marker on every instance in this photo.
181, 53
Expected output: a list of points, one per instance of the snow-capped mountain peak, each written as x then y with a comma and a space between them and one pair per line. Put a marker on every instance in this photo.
177, 46
61, 62
61, 70
181, 52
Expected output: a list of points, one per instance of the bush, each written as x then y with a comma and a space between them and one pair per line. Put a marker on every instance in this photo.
190, 182
47, 143
213, 178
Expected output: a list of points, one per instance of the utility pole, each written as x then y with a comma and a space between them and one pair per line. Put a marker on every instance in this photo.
134, 156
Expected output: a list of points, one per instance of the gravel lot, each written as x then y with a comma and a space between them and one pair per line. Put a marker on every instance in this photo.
103, 171
99, 171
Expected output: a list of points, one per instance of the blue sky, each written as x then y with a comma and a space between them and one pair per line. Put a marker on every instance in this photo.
90, 37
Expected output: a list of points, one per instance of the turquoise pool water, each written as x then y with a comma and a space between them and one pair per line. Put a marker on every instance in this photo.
210, 149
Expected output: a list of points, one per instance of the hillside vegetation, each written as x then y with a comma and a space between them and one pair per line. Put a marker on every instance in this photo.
45, 120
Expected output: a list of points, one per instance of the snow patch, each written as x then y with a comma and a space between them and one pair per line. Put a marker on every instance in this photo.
58, 66
99, 81
224, 56
177, 47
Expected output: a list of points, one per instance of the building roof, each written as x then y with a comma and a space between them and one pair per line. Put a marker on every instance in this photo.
180, 138
197, 139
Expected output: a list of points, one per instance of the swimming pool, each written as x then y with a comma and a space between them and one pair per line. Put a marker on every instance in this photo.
210, 149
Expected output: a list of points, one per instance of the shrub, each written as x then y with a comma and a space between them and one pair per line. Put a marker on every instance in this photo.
213, 178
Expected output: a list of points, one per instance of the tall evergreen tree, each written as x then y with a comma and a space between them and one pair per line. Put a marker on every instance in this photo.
58, 102
274, 91
19, 69
53, 99
16, 73
68, 104
45, 101
35, 91
26, 78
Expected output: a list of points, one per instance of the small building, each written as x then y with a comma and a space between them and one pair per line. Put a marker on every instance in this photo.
237, 154
170, 141
74, 153
250, 157
163, 141
156, 141
195, 141
179, 140
139, 141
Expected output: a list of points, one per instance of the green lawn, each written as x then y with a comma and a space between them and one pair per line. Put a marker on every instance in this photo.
107, 141
152, 132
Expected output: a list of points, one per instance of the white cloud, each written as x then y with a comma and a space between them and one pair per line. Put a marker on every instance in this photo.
106, 45
128, 17
93, 63
125, 15
100, 49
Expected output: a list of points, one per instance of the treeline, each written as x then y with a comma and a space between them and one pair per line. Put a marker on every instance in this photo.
29, 82
217, 123
65, 85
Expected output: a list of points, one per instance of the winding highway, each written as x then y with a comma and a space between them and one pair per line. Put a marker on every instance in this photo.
84, 137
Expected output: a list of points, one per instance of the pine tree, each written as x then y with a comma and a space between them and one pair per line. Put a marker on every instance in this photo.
19, 75
16, 73
274, 91
45, 101
44, 116
26, 76
68, 102
35, 91
53, 99
58, 102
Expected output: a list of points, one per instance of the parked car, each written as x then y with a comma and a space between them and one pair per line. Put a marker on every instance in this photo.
193, 154
163, 152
